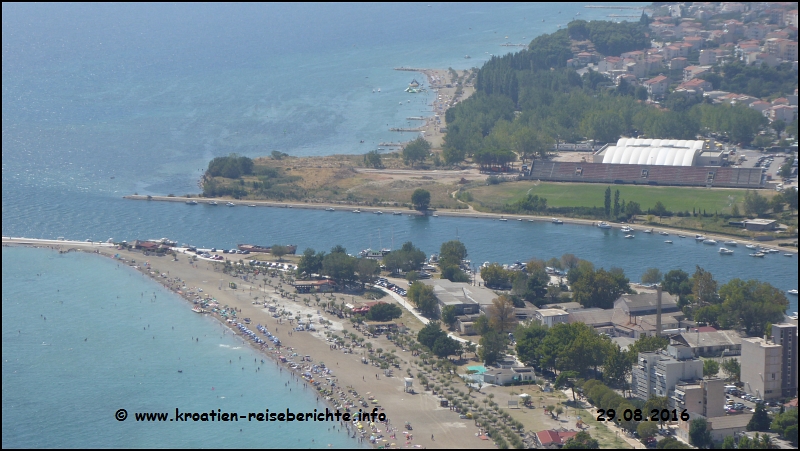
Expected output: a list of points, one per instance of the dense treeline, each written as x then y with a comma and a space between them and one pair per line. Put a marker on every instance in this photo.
232, 167
526, 101
610, 38
756, 81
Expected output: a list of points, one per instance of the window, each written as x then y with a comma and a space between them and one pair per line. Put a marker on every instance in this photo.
645, 173
578, 171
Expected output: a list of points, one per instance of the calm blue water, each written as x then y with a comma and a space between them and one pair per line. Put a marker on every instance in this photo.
148, 95
83, 337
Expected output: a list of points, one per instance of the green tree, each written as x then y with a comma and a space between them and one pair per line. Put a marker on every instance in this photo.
598, 289
632, 209
452, 252
617, 368
421, 199
646, 430
660, 210
494, 275
652, 275
755, 204
616, 203
449, 316
710, 368
430, 334
367, 270
602, 126
340, 267
699, 435
373, 158
760, 420
415, 151
481, 324
704, 287
785, 424
502, 314
607, 201
445, 346
310, 262
751, 305
384, 312
422, 297
581, 440
529, 338
279, 251
732, 369
493, 345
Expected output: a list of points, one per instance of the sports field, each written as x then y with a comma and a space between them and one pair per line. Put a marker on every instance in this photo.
593, 195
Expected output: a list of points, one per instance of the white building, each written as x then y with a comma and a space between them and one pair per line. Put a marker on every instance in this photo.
551, 316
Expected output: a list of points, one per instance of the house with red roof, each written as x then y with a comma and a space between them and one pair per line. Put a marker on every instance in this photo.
554, 439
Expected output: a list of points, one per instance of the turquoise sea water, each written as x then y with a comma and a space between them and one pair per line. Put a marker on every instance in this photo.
100, 101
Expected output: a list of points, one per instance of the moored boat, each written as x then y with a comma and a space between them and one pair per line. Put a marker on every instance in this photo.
750, 246
725, 251
397, 213
213, 202
668, 241
230, 204
710, 241
794, 292
191, 202
630, 236
663, 233
290, 248
603, 225
557, 221
648, 230
758, 254
330, 209
731, 243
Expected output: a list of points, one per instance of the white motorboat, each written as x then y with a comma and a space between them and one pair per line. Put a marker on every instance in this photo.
397, 213
230, 204
436, 216
626, 229
750, 246
330, 209
725, 251
731, 243
604, 225
377, 212
191, 202
699, 237
794, 292
557, 221
630, 236
681, 236
710, 241
648, 230
758, 254
663, 233
503, 219
788, 255
356, 211
213, 202
252, 205
668, 241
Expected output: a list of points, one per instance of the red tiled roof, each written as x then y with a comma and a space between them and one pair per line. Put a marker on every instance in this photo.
557, 437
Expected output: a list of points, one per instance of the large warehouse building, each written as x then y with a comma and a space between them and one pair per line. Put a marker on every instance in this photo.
654, 162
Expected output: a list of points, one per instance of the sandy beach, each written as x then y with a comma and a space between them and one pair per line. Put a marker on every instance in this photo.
433, 426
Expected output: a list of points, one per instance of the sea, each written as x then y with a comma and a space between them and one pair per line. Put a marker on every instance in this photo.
105, 100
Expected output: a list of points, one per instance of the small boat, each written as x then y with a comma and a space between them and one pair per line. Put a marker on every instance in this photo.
648, 230
377, 212
198, 310
191, 202
663, 233
604, 225
330, 209
699, 237
213, 202
788, 255
356, 211
725, 251
758, 254
668, 241
794, 292
503, 219
397, 213
626, 229
230, 204
681, 236
252, 205
750, 246
557, 221
710, 241
436, 216
731, 243
630, 236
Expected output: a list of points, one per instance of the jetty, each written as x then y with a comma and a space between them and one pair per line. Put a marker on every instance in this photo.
410, 69
613, 7
395, 129
508, 44
415, 118
392, 144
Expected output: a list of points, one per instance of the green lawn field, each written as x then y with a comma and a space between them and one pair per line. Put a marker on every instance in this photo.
592, 195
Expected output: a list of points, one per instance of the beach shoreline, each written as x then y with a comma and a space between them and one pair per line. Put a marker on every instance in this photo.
420, 408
